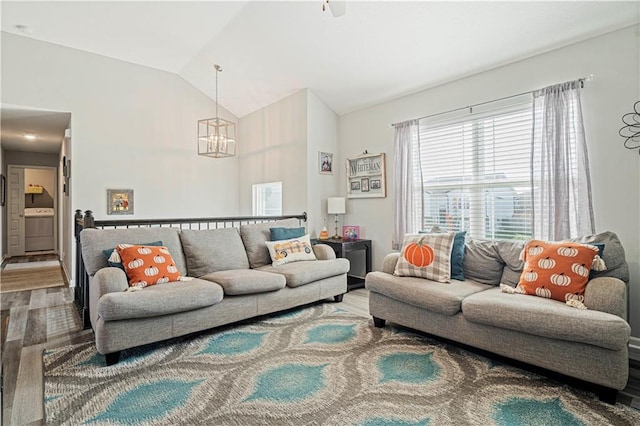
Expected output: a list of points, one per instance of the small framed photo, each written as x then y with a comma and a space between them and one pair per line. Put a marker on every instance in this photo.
325, 163
364, 184
375, 183
355, 186
119, 201
350, 233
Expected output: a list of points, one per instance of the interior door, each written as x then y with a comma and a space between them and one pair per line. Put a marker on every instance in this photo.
15, 224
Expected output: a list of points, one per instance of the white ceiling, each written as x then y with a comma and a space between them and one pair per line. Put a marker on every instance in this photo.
48, 127
376, 52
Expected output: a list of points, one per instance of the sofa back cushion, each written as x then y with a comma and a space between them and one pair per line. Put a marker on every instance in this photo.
213, 250
482, 261
613, 255
94, 241
509, 252
498, 261
254, 237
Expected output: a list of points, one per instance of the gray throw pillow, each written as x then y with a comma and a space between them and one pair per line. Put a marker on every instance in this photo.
213, 250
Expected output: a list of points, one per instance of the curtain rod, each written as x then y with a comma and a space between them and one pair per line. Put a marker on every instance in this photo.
470, 107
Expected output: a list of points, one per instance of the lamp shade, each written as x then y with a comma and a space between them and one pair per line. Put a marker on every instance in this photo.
336, 205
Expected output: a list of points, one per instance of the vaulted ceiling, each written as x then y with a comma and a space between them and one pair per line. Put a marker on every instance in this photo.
375, 52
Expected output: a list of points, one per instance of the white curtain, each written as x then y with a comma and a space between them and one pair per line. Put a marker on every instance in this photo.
561, 187
407, 181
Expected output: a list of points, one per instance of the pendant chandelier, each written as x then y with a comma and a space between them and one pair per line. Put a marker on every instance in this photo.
216, 136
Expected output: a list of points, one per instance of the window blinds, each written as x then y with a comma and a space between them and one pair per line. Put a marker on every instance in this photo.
476, 172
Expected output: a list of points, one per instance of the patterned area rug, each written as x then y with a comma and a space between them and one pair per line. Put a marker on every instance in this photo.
313, 366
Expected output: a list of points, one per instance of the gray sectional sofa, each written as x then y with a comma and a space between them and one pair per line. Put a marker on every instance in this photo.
590, 345
233, 280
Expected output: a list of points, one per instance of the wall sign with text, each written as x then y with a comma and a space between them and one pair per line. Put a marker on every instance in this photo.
366, 176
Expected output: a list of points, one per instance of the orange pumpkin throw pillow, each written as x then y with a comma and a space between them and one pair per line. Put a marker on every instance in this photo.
557, 270
426, 256
147, 265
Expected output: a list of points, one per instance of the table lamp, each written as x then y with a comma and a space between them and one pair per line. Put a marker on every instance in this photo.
336, 206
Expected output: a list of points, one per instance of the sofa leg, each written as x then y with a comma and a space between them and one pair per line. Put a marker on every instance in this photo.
378, 322
112, 358
608, 395
338, 298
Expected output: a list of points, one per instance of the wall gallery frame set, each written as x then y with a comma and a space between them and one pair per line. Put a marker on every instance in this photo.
366, 176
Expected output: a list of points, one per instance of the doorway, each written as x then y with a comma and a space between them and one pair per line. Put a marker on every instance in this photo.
32, 210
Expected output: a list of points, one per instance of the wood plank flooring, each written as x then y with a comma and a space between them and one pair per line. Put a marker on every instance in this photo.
45, 319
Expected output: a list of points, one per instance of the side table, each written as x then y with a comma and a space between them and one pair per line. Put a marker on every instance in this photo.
342, 247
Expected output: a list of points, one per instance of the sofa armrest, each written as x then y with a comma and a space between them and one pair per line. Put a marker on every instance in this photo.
389, 263
109, 280
106, 280
607, 294
324, 252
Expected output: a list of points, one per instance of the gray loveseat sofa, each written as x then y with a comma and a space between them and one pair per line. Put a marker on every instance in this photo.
590, 345
233, 280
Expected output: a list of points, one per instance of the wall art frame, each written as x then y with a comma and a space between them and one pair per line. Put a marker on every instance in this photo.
119, 201
325, 163
366, 176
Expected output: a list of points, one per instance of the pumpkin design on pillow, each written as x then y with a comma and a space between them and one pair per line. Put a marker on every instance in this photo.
419, 254
558, 270
426, 256
147, 265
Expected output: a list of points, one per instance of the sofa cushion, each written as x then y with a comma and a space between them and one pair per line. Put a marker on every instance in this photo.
158, 300
94, 241
426, 256
613, 255
547, 318
211, 250
509, 252
255, 235
556, 269
246, 281
482, 262
147, 265
292, 250
300, 273
438, 297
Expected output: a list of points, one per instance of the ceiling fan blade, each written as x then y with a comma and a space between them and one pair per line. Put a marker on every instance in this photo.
337, 7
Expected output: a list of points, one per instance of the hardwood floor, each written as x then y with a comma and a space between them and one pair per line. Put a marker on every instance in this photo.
44, 319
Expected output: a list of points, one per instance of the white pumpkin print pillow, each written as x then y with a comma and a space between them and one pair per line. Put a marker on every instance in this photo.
557, 270
147, 265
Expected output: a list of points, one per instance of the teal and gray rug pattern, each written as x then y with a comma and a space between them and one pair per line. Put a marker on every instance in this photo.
314, 366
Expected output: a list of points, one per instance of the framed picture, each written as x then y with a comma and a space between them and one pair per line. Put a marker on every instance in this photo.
364, 184
3, 190
119, 201
350, 233
325, 163
366, 176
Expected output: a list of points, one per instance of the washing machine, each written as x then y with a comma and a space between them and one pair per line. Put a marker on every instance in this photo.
38, 226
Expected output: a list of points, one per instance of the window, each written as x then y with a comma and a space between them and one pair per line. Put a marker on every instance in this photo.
474, 172
267, 199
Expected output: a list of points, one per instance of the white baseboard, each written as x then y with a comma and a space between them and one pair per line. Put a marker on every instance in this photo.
634, 348
67, 275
